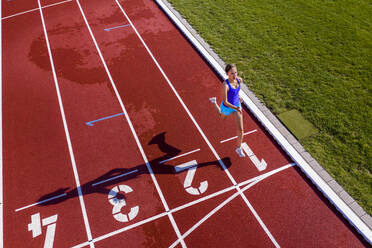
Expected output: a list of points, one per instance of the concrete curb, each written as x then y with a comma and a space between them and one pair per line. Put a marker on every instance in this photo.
358, 218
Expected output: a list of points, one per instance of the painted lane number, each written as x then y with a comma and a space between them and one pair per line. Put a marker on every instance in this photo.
191, 166
260, 165
35, 227
120, 203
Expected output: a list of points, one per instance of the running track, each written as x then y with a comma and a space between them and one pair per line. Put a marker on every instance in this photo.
100, 96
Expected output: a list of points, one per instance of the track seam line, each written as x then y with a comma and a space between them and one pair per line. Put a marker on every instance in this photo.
174, 225
189, 204
28, 11
196, 124
72, 156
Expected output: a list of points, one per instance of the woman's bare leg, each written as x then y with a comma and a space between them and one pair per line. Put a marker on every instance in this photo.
217, 107
239, 122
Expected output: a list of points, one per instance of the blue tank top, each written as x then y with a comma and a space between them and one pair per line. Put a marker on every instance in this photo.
233, 94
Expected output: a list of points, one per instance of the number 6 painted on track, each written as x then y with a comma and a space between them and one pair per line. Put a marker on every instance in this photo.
191, 166
120, 203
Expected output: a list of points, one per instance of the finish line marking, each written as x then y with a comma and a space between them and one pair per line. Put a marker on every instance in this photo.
89, 123
115, 177
37, 203
108, 29
223, 141
251, 183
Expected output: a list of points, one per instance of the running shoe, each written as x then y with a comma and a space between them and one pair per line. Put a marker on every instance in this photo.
213, 100
240, 152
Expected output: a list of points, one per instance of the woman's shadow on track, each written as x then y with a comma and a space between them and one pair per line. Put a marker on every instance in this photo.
104, 183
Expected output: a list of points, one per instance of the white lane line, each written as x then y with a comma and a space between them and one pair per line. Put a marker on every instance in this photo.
202, 199
260, 178
24, 12
40, 202
223, 141
72, 156
115, 177
179, 97
262, 224
108, 235
215, 210
184, 154
223, 166
165, 204
267, 174
251, 182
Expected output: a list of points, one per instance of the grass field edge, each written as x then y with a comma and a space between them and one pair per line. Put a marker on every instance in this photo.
320, 178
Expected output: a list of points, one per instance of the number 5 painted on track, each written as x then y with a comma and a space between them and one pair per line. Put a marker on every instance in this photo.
120, 203
191, 166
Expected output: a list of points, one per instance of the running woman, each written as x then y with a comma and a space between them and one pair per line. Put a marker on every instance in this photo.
231, 102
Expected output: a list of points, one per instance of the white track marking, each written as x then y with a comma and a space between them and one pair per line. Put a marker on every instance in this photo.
72, 156
223, 141
262, 224
113, 178
108, 235
260, 178
178, 96
40, 202
49, 238
118, 204
189, 113
191, 167
50, 220
267, 174
35, 225
346, 211
175, 227
260, 165
202, 199
184, 154
31, 10
215, 210
185, 166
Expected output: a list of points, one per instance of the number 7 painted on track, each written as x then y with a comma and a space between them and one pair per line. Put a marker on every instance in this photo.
191, 166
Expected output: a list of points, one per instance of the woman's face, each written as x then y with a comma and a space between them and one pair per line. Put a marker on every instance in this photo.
233, 73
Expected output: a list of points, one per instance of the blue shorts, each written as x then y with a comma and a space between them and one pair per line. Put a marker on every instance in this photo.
227, 110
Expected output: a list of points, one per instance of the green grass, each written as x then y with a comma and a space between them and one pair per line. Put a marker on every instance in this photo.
297, 124
311, 55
